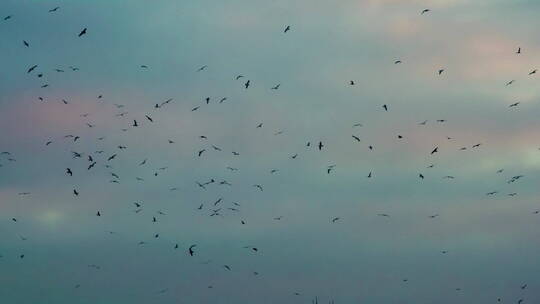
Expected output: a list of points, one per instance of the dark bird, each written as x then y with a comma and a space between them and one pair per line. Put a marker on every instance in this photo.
259, 187
98, 213
149, 118
201, 152
202, 68
356, 138
435, 150
190, 250
351, 82
247, 84
510, 82
421, 176
320, 145
75, 192
54, 9
288, 28
111, 157
385, 107
83, 32
26, 43
514, 105
135, 123
441, 71
32, 68
69, 172
425, 11
397, 61
335, 219
276, 87
8, 17
518, 50
533, 72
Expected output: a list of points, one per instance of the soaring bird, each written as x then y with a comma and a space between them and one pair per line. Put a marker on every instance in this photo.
385, 107
26, 43
518, 50
276, 87
202, 68
190, 250
514, 104
69, 172
32, 68
533, 72
83, 32
288, 28
435, 150
441, 71
247, 84
54, 9
424, 11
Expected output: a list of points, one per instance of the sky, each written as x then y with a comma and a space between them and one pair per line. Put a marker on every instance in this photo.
400, 214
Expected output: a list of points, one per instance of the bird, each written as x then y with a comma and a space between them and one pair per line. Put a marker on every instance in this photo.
287, 28
31, 68
385, 107
518, 50
335, 219
397, 61
247, 84
69, 172
425, 11
440, 71
190, 250
435, 150
8, 17
320, 145
351, 82
202, 68
356, 138
276, 87
26, 44
54, 9
513, 105
83, 32
533, 72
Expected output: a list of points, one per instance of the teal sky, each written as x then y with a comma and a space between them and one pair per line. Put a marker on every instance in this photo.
490, 242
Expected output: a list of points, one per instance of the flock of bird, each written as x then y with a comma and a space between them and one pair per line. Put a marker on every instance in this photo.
89, 161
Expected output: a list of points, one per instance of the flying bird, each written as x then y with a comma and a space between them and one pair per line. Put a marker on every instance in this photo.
83, 32
190, 250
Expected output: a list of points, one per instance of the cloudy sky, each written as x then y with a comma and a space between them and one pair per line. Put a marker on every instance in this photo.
443, 239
